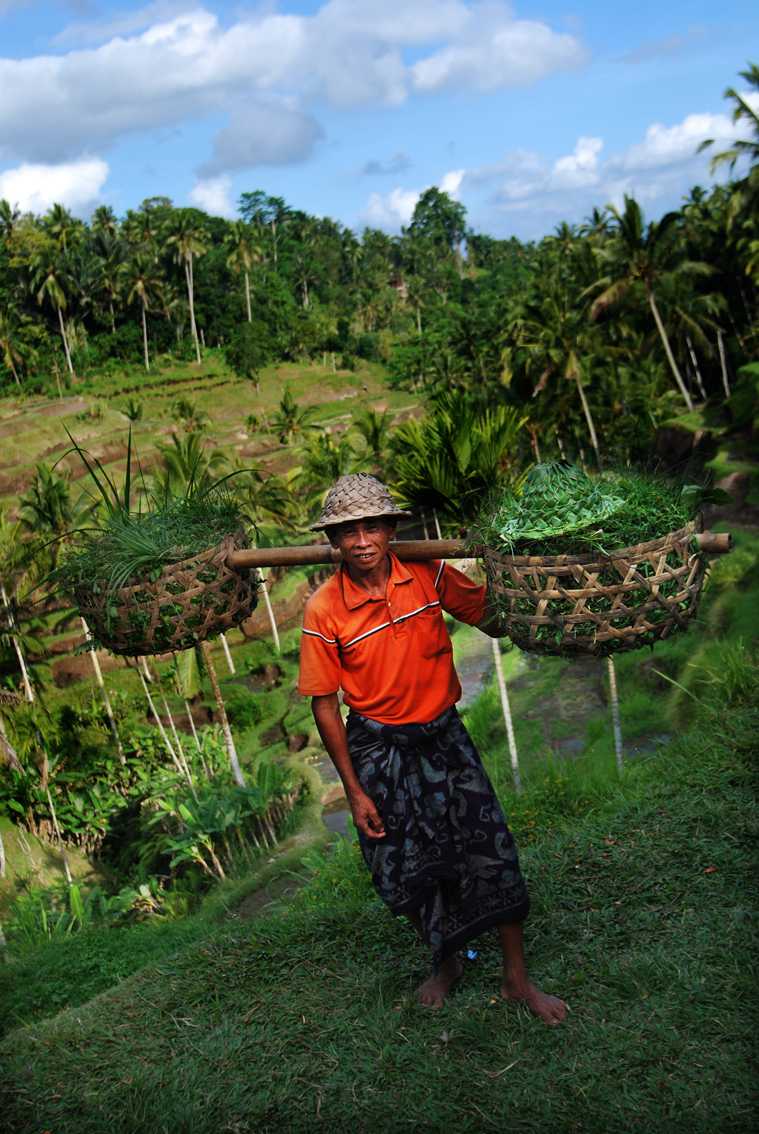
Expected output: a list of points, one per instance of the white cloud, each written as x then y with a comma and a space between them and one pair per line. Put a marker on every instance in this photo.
389, 211
579, 168
34, 188
496, 50
213, 196
671, 145
263, 133
161, 66
450, 183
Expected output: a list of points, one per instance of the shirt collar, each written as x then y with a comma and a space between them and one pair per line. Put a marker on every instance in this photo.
355, 596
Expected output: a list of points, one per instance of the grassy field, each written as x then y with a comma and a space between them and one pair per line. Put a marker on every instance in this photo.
305, 1019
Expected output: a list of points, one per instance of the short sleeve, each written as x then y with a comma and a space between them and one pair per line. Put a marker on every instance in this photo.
461, 597
319, 656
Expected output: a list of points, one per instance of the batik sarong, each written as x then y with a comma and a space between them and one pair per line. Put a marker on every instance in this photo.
447, 854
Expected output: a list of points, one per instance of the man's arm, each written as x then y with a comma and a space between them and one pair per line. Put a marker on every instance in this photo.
331, 728
491, 623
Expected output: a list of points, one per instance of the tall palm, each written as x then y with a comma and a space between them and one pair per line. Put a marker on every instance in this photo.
142, 283
65, 229
640, 256
374, 426
292, 420
104, 222
50, 283
553, 331
9, 218
244, 252
188, 239
187, 465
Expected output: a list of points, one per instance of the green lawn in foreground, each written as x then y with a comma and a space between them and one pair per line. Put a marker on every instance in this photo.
306, 1020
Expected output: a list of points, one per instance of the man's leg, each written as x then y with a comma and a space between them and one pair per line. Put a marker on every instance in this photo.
516, 983
435, 989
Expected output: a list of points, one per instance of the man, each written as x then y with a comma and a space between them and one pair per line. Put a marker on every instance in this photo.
430, 827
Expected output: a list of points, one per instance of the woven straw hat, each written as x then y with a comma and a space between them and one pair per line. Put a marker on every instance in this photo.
356, 497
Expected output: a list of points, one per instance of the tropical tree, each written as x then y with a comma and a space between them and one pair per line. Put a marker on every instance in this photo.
291, 420
142, 283
746, 192
244, 252
188, 238
373, 426
187, 466
50, 282
451, 459
641, 256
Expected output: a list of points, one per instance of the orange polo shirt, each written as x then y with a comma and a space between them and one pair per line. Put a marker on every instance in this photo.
391, 656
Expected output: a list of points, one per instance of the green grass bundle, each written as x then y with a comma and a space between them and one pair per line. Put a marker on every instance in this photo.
137, 547
157, 580
563, 511
592, 601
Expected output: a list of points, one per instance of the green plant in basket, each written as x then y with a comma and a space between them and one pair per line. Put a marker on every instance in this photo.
631, 573
153, 577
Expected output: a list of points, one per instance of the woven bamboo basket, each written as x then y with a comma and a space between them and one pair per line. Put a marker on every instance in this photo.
188, 602
598, 604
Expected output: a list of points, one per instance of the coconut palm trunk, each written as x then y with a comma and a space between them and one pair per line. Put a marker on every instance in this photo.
615, 718
667, 348
588, 415
28, 691
56, 828
696, 367
506, 709
247, 297
164, 735
223, 719
145, 337
269, 609
104, 693
723, 362
191, 302
66, 350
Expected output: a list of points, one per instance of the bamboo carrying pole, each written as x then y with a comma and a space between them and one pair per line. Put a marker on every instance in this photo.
711, 543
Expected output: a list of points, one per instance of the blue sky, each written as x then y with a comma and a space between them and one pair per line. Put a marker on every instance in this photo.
530, 113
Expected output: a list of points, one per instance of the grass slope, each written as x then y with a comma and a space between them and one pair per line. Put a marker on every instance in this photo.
306, 1020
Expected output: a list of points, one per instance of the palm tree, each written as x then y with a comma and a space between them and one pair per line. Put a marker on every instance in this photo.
746, 193
456, 455
50, 282
644, 256
9, 218
290, 420
47, 507
553, 330
65, 229
187, 466
243, 254
143, 284
188, 239
374, 426
103, 221
10, 343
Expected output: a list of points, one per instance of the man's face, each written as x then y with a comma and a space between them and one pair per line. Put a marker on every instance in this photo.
363, 543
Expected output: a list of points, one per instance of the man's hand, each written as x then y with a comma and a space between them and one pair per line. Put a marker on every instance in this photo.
365, 816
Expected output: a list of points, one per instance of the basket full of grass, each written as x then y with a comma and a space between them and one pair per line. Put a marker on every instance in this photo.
592, 565
158, 580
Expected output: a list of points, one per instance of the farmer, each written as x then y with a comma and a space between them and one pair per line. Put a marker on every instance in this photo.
431, 830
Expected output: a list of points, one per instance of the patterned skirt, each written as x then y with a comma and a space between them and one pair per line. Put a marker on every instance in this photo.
447, 854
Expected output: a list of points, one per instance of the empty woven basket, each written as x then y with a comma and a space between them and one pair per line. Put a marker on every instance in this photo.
598, 604
189, 601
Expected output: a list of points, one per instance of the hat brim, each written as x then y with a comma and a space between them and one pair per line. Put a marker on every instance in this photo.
322, 525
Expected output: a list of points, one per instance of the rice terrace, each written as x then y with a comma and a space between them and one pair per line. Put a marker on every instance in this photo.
557, 435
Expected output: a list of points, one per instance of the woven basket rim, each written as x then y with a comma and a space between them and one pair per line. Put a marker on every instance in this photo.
592, 557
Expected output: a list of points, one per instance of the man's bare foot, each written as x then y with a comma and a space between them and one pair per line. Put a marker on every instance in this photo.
549, 1008
435, 989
